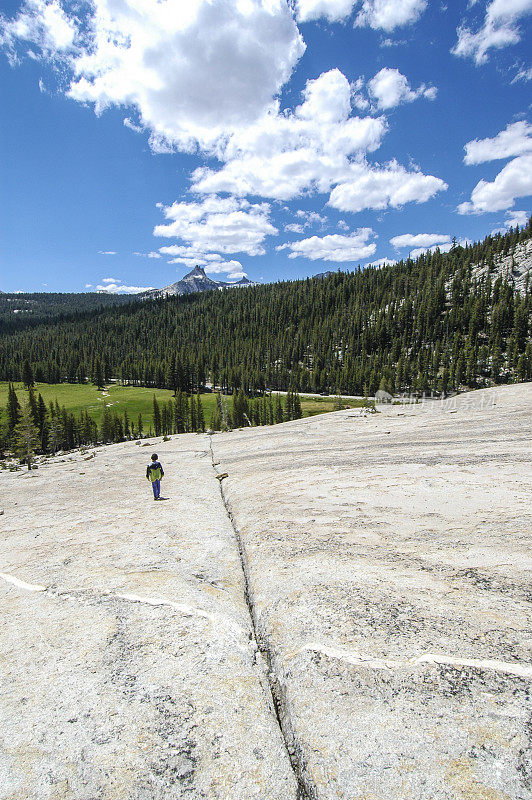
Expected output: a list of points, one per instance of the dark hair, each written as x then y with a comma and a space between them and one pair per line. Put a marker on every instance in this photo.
154, 457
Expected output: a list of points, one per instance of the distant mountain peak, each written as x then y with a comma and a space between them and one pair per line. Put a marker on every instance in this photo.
194, 281
197, 272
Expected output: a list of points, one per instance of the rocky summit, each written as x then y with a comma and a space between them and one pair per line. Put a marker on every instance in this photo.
194, 281
336, 608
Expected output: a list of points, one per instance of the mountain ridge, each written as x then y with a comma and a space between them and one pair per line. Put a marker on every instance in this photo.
194, 281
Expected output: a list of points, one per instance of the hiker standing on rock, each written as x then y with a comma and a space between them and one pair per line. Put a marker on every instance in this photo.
154, 473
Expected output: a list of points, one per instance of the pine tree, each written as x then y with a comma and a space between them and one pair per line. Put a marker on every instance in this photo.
297, 412
240, 409
522, 368
193, 418
98, 377
165, 420
221, 402
216, 421
27, 374
26, 435
3, 433
42, 423
496, 365
278, 409
32, 402
156, 417
199, 414
13, 410
55, 438
179, 416
289, 406
106, 425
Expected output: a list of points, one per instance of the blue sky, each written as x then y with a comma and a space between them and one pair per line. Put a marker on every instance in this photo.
256, 137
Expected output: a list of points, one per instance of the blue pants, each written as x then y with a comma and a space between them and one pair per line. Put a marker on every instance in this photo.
156, 486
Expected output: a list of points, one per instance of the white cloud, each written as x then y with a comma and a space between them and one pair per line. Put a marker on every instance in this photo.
327, 97
380, 187
288, 154
217, 225
120, 288
378, 14
312, 218
160, 144
514, 218
132, 125
88, 286
236, 276
334, 247
422, 240
188, 262
419, 251
188, 255
524, 74
513, 181
443, 247
153, 254
208, 77
381, 262
514, 140
342, 224
392, 42
389, 88
309, 218
230, 269
389, 14
333, 10
212, 263
107, 252
111, 280
500, 29
285, 154
194, 72
40, 23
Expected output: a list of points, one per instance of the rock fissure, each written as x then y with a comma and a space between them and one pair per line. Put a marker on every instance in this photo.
277, 701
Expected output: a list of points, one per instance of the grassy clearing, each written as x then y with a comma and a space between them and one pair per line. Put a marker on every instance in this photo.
138, 400
78, 397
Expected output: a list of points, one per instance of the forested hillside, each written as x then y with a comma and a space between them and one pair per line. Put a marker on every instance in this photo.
21, 310
433, 324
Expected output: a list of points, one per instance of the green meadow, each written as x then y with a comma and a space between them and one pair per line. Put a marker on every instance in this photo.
137, 400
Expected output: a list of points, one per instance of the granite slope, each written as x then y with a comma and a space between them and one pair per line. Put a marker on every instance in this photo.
388, 560
345, 615
129, 667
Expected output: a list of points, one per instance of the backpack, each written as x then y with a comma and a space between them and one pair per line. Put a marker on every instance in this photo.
154, 470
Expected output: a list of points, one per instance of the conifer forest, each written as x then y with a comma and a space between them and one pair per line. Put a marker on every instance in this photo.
429, 325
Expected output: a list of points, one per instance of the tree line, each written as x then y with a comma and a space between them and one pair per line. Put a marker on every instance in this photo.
424, 325
30, 426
